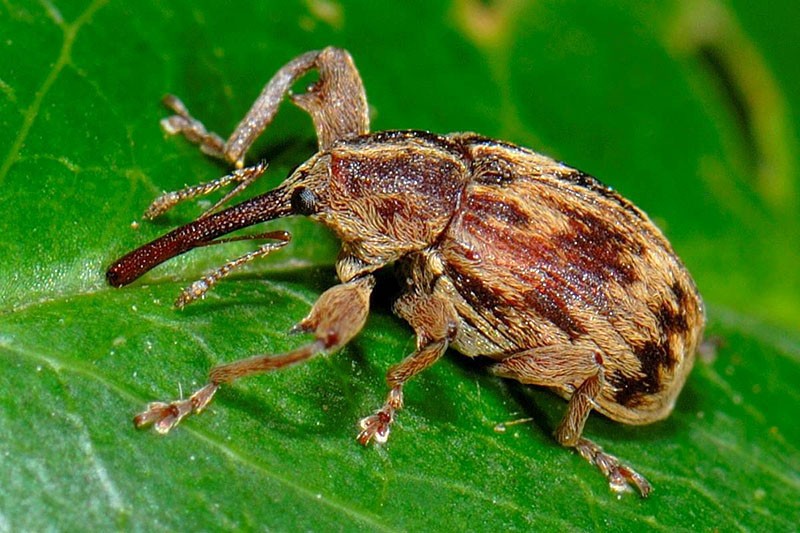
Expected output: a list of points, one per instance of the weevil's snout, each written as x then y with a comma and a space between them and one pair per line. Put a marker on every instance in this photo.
115, 276
303, 193
202, 232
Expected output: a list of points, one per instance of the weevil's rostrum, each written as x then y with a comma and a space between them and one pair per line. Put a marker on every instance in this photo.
502, 252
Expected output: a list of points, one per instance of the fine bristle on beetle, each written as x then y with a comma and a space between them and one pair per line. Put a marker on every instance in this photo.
503, 253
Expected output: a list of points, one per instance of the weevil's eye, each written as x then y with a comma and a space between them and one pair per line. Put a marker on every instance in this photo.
304, 201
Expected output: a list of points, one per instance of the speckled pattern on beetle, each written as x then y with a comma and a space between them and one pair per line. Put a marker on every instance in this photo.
502, 252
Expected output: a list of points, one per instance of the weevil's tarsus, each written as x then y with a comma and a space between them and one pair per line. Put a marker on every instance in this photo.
337, 316
243, 177
191, 128
620, 476
199, 288
165, 416
377, 426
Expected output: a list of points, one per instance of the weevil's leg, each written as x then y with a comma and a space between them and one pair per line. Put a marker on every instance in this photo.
547, 366
191, 128
336, 317
243, 177
337, 104
199, 288
435, 322
620, 476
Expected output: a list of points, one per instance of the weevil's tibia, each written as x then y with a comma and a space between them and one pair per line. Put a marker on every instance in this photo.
199, 288
335, 319
244, 177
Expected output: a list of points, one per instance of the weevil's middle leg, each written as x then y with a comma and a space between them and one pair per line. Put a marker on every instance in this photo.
435, 321
335, 319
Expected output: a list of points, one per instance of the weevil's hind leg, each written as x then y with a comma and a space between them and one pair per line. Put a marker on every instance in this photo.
336, 317
435, 322
548, 367
620, 476
337, 104
243, 177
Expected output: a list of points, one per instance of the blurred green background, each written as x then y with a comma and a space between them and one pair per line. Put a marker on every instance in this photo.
688, 108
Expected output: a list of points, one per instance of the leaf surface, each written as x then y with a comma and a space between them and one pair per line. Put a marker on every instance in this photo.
689, 109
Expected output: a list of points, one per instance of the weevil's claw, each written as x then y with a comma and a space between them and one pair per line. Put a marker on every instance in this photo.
377, 426
624, 476
165, 416
620, 476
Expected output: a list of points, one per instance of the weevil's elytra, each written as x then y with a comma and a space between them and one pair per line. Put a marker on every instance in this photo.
504, 253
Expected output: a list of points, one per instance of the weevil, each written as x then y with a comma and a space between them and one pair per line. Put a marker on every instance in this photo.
502, 252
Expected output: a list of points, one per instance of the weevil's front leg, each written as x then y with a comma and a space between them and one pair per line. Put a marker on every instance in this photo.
336, 317
337, 104
548, 366
199, 288
436, 323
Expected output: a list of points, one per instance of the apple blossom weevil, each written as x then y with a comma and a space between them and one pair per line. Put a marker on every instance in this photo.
502, 252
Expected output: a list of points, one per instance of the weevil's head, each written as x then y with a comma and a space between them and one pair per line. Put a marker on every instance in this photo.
306, 189
384, 195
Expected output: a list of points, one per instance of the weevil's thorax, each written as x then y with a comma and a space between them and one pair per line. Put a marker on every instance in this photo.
392, 193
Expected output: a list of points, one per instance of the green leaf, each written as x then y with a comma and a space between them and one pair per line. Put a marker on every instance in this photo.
688, 108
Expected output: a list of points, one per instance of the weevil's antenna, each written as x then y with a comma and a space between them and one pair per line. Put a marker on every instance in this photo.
268, 206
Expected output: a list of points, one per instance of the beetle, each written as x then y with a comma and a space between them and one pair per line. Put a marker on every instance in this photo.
502, 252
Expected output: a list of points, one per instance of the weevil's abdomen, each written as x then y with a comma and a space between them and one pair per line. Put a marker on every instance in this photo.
542, 255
